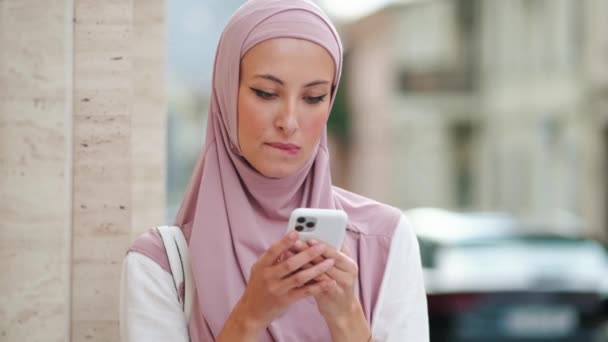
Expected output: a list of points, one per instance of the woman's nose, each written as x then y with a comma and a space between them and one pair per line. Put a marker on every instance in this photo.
287, 120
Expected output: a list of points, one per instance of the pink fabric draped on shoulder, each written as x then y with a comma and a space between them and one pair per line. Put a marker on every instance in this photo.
231, 213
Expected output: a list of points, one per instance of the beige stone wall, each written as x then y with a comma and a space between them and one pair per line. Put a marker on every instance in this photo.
34, 132
82, 159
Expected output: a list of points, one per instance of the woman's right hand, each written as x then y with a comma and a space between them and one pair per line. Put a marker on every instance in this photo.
275, 283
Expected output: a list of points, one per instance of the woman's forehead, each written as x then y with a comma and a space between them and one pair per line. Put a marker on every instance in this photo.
289, 57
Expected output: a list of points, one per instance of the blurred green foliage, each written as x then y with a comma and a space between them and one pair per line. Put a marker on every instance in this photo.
338, 123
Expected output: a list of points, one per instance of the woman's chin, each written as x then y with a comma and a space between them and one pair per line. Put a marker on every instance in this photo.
281, 173
278, 171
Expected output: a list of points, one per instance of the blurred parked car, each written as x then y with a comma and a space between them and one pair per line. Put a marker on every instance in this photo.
490, 278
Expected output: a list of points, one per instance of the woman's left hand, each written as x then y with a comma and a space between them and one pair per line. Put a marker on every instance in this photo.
337, 301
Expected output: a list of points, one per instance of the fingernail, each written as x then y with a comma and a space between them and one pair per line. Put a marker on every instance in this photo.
292, 235
313, 241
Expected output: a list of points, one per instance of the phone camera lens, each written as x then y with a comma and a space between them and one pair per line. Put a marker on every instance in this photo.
310, 224
299, 228
301, 219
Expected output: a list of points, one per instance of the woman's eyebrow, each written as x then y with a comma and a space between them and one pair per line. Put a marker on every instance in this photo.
279, 81
271, 78
314, 83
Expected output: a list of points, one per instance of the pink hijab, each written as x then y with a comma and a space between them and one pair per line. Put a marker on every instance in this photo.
231, 213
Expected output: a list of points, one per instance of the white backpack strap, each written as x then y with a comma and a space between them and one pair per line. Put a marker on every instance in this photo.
179, 261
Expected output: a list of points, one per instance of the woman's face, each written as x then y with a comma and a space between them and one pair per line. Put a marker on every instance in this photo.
283, 103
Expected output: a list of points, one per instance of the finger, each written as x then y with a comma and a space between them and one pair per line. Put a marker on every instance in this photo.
330, 287
308, 290
313, 242
321, 277
292, 264
345, 269
343, 261
286, 255
344, 279
307, 266
346, 250
274, 252
300, 245
302, 277
317, 260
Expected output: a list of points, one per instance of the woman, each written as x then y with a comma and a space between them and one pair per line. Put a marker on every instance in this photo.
276, 72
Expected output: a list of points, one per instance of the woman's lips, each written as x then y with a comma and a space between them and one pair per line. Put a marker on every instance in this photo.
289, 148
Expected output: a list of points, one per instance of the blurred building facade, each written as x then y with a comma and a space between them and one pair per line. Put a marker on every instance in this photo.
482, 105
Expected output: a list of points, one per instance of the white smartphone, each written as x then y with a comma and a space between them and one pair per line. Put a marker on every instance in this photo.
327, 225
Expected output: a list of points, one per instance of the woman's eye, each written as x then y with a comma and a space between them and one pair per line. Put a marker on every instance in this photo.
315, 99
263, 94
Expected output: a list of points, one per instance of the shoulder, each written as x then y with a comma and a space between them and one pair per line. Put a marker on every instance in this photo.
404, 237
367, 216
151, 245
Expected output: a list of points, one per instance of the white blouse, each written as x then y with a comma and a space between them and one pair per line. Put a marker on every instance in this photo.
150, 311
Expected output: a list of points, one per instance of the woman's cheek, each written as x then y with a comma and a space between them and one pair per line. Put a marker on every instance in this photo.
317, 123
258, 120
